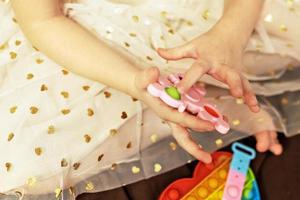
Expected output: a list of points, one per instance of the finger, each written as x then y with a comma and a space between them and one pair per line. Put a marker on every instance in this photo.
275, 146
185, 119
170, 114
196, 71
184, 51
231, 78
249, 96
146, 77
263, 140
194, 122
185, 141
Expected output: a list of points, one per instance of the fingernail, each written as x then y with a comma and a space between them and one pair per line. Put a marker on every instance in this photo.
256, 108
210, 165
208, 160
239, 92
254, 100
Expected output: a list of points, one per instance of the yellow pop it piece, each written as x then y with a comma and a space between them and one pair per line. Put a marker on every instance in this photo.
220, 194
213, 183
223, 174
191, 198
202, 192
212, 186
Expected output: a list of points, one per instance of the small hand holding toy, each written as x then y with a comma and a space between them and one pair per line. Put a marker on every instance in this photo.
192, 101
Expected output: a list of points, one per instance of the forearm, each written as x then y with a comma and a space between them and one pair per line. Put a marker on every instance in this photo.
239, 19
73, 47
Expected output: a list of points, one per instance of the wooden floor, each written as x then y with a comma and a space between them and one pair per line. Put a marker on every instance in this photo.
278, 177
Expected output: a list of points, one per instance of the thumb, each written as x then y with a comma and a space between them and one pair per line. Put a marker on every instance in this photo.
146, 77
185, 51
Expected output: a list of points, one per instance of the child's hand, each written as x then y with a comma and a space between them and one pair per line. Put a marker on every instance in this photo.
183, 138
268, 141
151, 75
218, 54
179, 122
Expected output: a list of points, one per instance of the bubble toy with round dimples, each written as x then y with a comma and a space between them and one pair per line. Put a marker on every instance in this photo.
210, 181
192, 101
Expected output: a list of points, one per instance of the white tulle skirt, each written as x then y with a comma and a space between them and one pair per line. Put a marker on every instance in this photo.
62, 134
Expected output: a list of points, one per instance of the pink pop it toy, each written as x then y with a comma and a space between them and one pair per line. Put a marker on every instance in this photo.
192, 101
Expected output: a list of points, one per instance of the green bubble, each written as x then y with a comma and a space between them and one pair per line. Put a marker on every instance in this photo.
173, 92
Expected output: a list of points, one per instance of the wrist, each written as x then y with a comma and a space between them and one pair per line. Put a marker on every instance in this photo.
132, 89
239, 20
235, 35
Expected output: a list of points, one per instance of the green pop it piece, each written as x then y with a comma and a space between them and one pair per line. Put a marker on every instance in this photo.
173, 92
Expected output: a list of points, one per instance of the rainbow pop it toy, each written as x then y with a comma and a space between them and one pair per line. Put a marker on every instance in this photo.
209, 181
